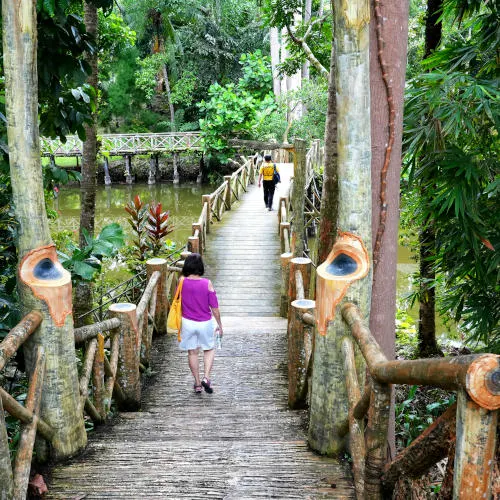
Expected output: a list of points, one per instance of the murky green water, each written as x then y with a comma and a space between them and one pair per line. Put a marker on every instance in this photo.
183, 202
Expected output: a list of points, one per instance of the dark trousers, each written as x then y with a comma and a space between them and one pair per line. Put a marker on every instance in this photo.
268, 193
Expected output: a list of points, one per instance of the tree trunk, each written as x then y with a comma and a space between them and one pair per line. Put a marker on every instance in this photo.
307, 19
275, 59
427, 345
352, 79
169, 97
60, 407
395, 30
433, 26
83, 290
329, 196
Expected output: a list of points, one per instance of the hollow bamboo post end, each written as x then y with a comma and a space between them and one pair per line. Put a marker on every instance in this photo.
483, 381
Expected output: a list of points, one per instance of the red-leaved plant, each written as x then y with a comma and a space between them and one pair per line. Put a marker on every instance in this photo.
138, 217
157, 227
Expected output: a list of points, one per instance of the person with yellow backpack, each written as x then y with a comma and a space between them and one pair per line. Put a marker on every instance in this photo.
269, 176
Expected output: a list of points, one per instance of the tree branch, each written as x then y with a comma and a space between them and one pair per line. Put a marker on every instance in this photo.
308, 52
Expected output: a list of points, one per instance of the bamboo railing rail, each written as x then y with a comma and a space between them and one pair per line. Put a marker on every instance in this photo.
14, 480
475, 378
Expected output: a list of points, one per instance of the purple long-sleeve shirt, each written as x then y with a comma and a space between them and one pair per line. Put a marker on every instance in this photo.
197, 299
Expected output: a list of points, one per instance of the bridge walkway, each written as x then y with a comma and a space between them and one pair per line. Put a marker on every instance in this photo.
240, 442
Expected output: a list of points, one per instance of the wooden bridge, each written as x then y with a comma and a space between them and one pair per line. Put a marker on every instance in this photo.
240, 442
126, 144
243, 441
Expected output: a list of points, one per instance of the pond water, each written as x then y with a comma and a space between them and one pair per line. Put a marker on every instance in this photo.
182, 201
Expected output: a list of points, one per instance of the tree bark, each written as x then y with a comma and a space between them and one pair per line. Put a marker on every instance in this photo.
275, 59
328, 393
83, 290
427, 345
329, 196
60, 406
395, 30
433, 26
307, 19
169, 97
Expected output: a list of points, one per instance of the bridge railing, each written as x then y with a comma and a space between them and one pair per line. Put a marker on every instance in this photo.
14, 481
471, 423
125, 144
219, 201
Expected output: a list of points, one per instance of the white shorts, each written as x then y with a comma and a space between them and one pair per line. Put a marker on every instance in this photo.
195, 334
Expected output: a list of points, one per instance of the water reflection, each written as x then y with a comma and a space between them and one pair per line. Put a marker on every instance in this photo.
183, 202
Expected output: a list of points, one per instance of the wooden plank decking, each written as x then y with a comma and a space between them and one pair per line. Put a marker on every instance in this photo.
240, 442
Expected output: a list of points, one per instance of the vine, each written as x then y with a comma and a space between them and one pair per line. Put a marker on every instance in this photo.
388, 149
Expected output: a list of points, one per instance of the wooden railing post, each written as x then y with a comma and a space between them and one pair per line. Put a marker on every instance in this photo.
128, 169
198, 232
285, 275
107, 177
474, 449
251, 171
194, 244
227, 194
160, 311
98, 377
128, 356
298, 201
284, 228
206, 199
6, 478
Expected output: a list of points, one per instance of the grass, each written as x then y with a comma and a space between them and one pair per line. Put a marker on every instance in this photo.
71, 161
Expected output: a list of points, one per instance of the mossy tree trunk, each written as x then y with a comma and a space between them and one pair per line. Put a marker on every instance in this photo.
60, 404
83, 290
328, 393
329, 196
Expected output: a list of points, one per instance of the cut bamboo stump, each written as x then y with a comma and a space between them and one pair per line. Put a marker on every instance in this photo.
128, 355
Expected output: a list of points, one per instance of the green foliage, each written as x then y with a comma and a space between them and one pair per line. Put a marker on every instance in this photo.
236, 110
416, 412
145, 77
452, 157
9, 311
64, 97
85, 264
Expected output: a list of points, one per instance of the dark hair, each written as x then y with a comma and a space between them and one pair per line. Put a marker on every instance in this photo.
267, 157
193, 265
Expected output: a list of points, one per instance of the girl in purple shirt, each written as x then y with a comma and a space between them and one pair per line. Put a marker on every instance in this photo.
199, 303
